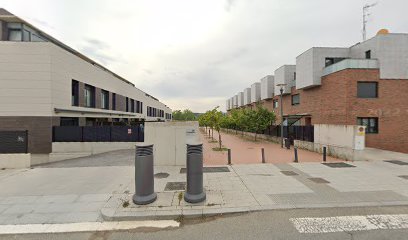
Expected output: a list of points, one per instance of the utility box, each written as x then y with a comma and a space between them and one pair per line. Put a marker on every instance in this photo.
359, 138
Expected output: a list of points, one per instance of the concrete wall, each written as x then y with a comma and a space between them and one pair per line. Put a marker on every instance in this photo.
335, 135
284, 75
15, 160
240, 99
255, 92
235, 101
36, 78
392, 52
170, 141
247, 96
267, 87
25, 79
310, 64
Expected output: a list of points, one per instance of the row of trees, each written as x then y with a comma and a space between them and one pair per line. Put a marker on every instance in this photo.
185, 115
250, 120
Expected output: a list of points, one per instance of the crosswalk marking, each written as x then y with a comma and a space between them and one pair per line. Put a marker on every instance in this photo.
350, 223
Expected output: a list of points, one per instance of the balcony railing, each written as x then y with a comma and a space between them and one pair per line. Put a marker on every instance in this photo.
351, 64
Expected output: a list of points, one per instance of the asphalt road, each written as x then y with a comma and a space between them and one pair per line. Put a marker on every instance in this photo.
261, 225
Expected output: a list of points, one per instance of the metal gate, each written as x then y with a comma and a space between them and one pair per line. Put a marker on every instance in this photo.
13, 141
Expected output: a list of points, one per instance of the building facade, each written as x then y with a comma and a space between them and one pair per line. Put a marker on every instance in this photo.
45, 83
366, 84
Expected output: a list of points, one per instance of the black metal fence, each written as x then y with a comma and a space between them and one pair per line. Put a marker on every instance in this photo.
98, 134
13, 141
304, 133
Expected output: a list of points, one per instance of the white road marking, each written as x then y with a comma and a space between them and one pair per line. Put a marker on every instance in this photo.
84, 227
350, 223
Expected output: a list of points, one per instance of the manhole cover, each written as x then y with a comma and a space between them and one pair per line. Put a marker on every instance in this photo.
338, 165
404, 176
398, 162
174, 186
289, 173
161, 175
209, 169
318, 180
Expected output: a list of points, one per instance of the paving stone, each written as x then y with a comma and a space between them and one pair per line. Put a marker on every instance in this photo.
318, 180
338, 165
175, 186
398, 162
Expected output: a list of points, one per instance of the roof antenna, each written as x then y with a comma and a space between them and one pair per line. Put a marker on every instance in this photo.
366, 14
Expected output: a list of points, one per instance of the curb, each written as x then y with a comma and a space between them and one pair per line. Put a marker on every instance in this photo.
111, 215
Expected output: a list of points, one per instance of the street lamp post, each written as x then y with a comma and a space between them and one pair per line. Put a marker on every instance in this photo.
281, 85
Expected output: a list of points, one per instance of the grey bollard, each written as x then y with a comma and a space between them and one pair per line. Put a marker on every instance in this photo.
287, 143
195, 191
263, 155
229, 156
296, 154
324, 154
144, 176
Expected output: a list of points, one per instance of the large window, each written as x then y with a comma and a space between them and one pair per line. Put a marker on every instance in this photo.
275, 103
132, 105
75, 93
104, 99
113, 101
127, 104
368, 54
367, 89
330, 61
89, 96
20, 32
295, 99
371, 124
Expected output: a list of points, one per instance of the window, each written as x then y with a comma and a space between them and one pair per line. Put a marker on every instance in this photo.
368, 54
89, 95
331, 61
15, 35
69, 121
127, 104
295, 99
367, 89
275, 103
113, 101
104, 99
132, 105
371, 124
75, 93
141, 107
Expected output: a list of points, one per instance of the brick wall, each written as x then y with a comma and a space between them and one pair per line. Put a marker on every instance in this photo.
336, 102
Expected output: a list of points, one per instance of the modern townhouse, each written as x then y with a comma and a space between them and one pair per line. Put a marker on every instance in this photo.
46, 84
365, 84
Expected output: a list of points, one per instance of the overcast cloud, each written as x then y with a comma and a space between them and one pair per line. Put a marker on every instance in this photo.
196, 54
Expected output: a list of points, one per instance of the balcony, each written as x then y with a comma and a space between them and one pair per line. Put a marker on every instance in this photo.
351, 64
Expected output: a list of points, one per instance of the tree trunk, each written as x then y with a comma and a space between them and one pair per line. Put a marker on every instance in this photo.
255, 136
212, 134
219, 139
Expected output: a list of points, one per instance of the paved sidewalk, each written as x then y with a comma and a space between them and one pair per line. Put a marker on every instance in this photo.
247, 151
96, 194
265, 186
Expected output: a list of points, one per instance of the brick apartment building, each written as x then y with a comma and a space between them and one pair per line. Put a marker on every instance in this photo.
366, 84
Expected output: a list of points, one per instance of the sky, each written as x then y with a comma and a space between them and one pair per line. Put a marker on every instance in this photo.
195, 54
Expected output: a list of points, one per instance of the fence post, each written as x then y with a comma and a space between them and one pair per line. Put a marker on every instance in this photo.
296, 155
263, 155
229, 156
324, 154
